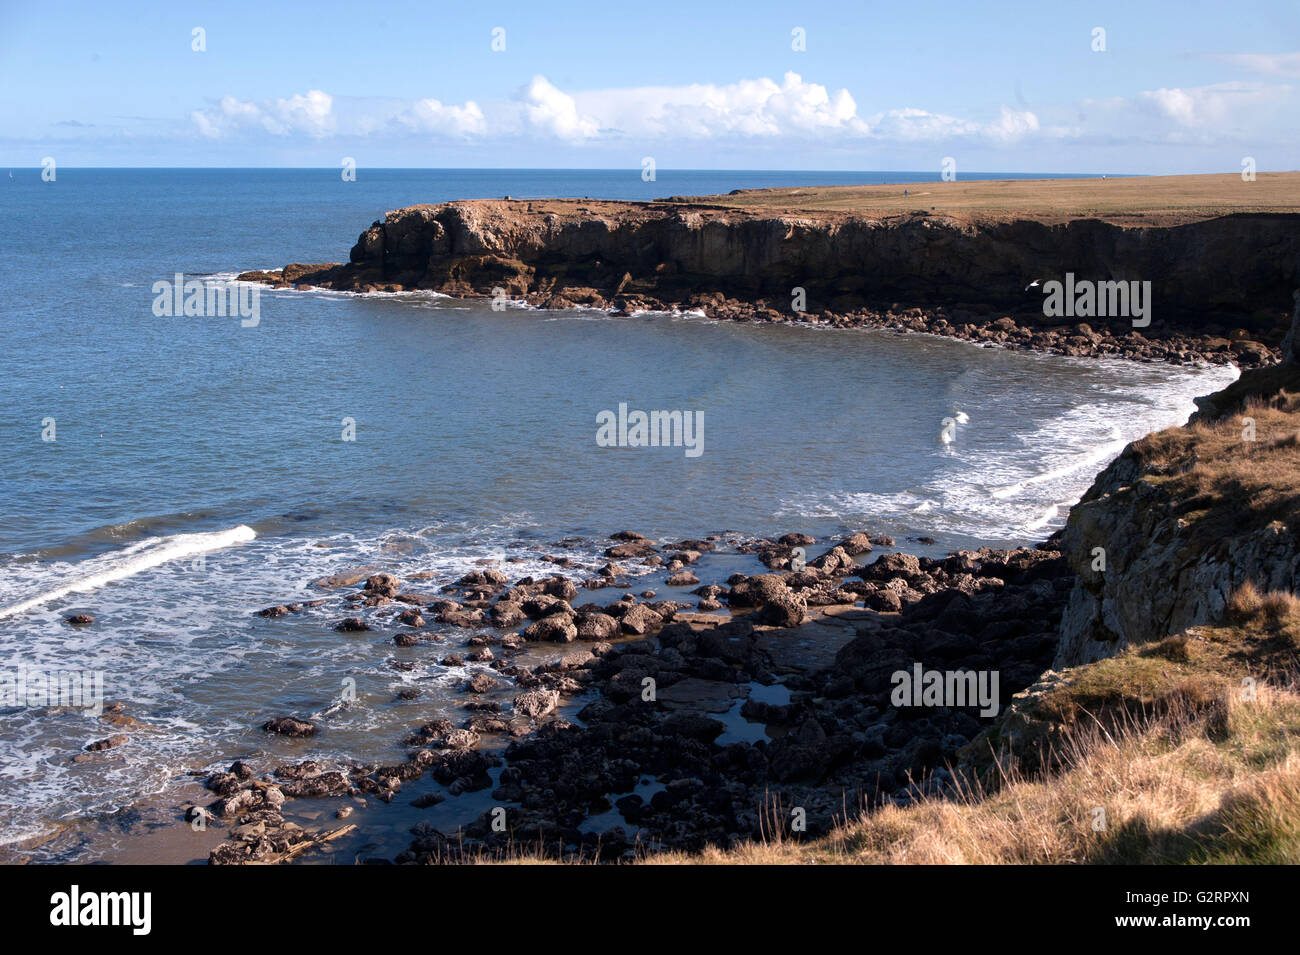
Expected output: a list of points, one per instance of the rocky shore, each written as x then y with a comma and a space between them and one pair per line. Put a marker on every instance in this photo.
622, 739
1221, 286
765, 705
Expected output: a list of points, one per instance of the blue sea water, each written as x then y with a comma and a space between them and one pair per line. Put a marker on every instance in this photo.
474, 439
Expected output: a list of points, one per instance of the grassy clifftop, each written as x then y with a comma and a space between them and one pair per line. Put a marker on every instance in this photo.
1137, 202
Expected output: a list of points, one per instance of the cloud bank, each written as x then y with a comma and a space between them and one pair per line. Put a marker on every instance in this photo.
749, 112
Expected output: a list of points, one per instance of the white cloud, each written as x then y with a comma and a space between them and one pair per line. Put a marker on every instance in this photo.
309, 114
1177, 104
747, 108
789, 113
431, 116
317, 115
229, 113
1272, 64
1216, 107
918, 125
912, 125
552, 111
1012, 125
744, 109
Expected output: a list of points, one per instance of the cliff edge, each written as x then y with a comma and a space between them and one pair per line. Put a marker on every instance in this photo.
1187, 516
1221, 269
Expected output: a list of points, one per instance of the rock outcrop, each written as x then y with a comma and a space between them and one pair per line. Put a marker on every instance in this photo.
1228, 274
1183, 517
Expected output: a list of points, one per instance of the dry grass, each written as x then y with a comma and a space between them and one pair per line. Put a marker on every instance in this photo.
1143, 201
1247, 601
1138, 202
1160, 755
1182, 788
1236, 471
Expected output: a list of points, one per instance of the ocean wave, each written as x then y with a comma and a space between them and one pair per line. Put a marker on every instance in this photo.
983, 490
182, 648
143, 555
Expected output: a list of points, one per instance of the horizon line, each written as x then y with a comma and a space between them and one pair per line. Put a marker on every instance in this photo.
635, 169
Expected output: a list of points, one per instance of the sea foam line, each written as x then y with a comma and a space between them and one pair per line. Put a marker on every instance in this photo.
136, 558
1092, 458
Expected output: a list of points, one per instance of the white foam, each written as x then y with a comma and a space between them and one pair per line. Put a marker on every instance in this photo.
1009, 485
130, 561
231, 278
1049, 514
1089, 459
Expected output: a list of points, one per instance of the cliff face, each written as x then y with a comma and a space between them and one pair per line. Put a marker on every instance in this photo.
1184, 517
1231, 268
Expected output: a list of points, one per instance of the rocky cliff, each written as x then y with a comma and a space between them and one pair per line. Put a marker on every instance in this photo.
1184, 517
1225, 282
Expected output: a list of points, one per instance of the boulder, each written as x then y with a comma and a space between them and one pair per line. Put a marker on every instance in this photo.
556, 628
290, 726
640, 619
535, 704
757, 590
597, 626
382, 585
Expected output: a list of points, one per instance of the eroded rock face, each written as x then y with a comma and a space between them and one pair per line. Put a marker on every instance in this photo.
1156, 585
620, 255
1291, 343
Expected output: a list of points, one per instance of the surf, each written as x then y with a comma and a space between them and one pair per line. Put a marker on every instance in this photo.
138, 557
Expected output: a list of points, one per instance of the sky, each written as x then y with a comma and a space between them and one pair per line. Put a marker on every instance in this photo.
1143, 86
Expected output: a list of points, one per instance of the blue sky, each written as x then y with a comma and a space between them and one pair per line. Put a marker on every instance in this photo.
1015, 87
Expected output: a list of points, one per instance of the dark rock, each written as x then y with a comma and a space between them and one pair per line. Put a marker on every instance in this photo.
640, 619
597, 626
536, 703
556, 628
289, 726
481, 683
